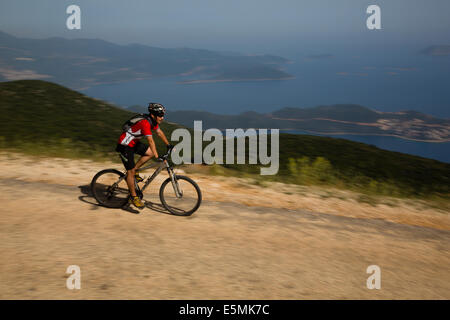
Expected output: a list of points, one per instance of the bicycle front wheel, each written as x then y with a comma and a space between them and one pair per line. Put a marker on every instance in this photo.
110, 189
183, 202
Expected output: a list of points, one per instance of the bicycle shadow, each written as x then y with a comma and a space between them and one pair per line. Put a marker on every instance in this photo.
88, 198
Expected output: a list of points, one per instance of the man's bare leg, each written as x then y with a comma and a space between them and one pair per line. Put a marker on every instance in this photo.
141, 161
130, 181
148, 155
131, 173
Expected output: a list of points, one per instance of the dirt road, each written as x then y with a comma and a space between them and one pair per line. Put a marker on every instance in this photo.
231, 248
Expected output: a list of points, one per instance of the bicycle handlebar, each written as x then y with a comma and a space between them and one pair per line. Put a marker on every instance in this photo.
167, 155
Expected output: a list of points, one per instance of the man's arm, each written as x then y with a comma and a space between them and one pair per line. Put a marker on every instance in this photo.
162, 136
151, 144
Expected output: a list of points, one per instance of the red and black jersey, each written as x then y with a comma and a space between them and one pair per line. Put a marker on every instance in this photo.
140, 129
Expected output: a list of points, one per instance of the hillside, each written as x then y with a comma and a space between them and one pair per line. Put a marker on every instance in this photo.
45, 118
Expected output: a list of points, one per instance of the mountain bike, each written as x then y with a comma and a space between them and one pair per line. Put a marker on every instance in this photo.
180, 195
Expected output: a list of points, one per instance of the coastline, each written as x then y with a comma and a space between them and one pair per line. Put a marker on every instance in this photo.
232, 80
369, 134
93, 84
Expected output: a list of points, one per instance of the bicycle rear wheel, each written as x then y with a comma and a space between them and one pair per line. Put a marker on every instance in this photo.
187, 202
110, 188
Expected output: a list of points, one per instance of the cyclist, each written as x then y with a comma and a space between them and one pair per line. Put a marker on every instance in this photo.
129, 143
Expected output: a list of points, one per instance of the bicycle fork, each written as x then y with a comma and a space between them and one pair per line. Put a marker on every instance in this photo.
175, 184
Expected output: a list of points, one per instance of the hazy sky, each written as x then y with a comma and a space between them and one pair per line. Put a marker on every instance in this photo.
237, 25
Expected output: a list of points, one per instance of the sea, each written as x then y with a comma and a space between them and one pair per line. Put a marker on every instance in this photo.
437, 151
402, 80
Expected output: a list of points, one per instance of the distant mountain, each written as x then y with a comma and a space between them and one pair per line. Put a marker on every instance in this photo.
334, 119
81, 63
319, 56
440, 50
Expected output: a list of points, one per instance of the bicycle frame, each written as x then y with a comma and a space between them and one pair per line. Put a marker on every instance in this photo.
160, 166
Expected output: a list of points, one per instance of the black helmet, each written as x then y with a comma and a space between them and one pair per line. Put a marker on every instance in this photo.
156, 109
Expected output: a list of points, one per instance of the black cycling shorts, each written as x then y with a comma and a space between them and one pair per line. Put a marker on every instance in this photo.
127, 153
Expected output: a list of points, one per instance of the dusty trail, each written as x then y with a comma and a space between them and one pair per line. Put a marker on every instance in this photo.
226, 250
